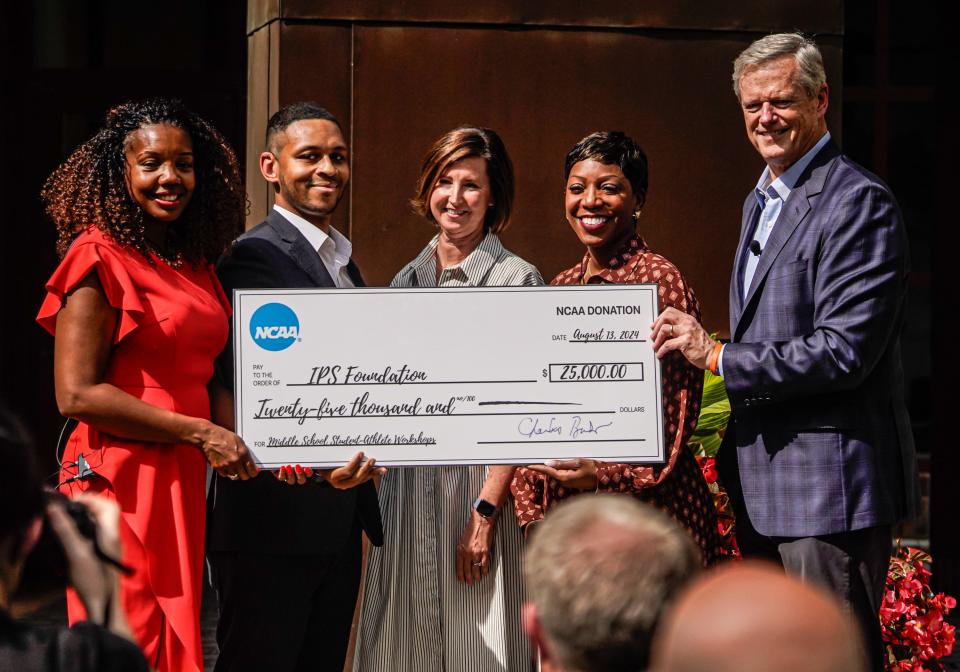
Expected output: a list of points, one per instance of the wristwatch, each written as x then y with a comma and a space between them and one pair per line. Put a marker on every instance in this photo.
485, 508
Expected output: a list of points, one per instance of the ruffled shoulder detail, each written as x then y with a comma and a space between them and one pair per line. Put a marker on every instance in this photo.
94, 252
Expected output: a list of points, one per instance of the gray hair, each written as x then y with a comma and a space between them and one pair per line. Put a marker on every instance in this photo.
810, 73
599, 570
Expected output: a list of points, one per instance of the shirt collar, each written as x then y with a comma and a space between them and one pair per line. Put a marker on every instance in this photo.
783, 185
315, 236
626, 253
475, 267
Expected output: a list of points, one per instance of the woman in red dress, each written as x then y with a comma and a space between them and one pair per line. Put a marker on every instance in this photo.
606, 189
141, 209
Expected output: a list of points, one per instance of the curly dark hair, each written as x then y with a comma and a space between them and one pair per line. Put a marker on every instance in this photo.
89, 187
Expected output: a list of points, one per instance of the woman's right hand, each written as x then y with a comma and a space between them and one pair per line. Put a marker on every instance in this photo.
579, 473
227, 453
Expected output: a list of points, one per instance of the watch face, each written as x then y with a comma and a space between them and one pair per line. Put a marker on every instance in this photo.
484, 508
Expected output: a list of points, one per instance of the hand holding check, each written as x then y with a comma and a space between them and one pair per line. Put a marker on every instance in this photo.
355, 472
676, 330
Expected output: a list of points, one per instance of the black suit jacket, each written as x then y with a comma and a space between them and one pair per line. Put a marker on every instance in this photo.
264, 515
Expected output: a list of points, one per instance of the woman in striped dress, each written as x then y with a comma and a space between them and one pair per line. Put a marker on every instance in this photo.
444, 593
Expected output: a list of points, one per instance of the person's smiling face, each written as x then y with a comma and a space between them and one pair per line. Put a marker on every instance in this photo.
159, 171
600, 204
311, 168
460, 198
783, 121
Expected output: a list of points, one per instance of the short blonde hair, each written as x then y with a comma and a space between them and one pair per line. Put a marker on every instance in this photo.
462, 143
600, 570
810, 73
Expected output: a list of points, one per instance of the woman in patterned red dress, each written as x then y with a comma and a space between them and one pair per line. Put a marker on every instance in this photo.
606, 188
141, 209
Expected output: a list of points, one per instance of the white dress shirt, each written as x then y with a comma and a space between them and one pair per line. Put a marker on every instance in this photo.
334, 249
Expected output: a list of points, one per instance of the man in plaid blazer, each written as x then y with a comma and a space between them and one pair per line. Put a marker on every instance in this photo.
819, 456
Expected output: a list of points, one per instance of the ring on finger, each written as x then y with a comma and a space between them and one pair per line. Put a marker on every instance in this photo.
671, 329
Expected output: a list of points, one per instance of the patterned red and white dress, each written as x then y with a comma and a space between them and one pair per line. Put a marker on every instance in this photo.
677, 486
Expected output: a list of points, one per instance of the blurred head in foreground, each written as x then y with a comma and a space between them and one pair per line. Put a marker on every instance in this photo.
751, 617
599, 571
21, 501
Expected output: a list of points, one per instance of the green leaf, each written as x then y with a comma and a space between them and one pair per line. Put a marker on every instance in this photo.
710, 444
714, 391
713, 419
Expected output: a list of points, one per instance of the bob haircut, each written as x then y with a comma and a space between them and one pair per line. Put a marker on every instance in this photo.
463, 143
613, 148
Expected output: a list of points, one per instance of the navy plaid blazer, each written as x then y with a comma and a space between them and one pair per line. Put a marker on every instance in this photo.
819, 440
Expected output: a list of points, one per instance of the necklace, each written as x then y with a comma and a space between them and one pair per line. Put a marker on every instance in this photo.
174, 261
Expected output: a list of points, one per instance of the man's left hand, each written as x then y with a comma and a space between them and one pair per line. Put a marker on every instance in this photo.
676, 330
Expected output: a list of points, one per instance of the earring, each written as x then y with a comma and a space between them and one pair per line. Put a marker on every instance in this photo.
636, 216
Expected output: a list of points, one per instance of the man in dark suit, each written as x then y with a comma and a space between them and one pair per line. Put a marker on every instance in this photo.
285, 552
818, 456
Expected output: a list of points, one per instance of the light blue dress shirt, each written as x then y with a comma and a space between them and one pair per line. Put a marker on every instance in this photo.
771, 195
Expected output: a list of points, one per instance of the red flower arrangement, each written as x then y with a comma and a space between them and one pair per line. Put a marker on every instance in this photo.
912, 616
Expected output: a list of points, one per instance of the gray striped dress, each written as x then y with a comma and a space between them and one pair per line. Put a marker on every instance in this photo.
416, 616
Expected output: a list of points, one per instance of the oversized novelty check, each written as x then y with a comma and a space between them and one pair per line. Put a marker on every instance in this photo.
444, 376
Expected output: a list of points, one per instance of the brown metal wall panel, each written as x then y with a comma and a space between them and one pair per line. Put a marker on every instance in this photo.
261, 12
821, 17
314, 64
542, 91
288, 63
258, 110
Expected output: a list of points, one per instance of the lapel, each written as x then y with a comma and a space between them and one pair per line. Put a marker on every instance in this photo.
751, 213
298, 249
795, 209
354, 272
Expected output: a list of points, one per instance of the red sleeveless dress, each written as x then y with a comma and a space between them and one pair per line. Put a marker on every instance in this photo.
172, 323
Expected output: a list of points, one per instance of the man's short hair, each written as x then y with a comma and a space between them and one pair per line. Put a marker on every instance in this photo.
599, 570
810, 73
21, 495
292, 113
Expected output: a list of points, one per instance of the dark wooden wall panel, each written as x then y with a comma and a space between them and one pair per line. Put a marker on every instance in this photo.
315, 65
542, 90
259, 108
813, 16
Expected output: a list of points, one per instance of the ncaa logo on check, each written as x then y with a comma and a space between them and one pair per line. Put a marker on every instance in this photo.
274, 327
